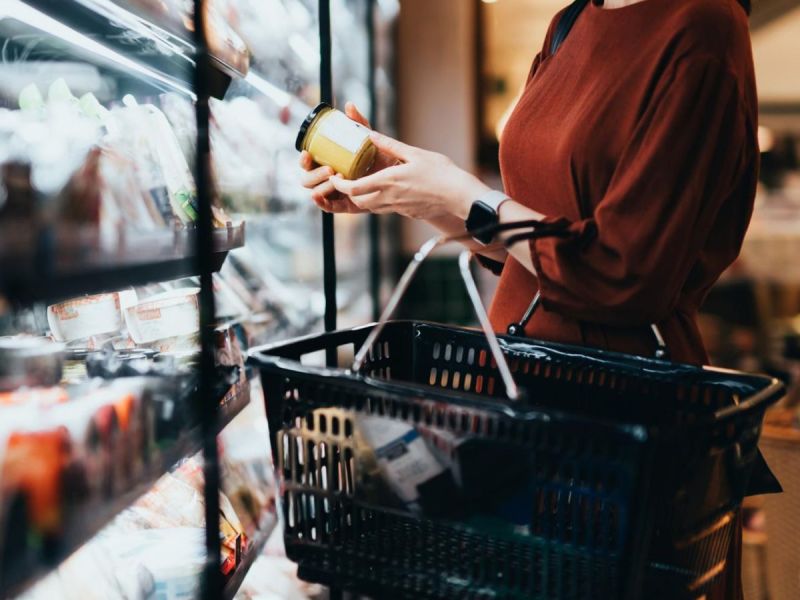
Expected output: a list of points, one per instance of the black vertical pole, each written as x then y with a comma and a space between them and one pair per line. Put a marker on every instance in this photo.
207, 403
328, 241
374, 220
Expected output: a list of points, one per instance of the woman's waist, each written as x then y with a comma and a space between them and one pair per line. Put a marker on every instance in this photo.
678, 329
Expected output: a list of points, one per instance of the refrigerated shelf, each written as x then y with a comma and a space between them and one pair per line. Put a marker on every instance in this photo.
253, 552
64, 262
89, 519
146, 44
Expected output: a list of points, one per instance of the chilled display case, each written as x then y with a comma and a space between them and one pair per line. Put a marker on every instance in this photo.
140, 256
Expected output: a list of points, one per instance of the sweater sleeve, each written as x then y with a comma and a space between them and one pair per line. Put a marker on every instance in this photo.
494, 266
692, 148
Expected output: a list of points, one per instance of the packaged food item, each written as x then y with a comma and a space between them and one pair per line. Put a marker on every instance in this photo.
403, 458
38, 396
82, 318
29, 362
247, 468
20, 197
111, 427
36, 463
174, 167
174, 558
171, 314
81, 200
336, 141
223, 41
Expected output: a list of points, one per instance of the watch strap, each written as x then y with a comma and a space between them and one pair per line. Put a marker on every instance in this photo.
493, 199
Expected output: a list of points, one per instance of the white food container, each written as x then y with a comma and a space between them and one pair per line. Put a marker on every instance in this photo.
172, 314
81, 318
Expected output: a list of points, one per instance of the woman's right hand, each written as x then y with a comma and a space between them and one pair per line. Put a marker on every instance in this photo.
317, 179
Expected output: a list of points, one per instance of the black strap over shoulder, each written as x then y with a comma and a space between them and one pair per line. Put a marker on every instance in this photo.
565, 24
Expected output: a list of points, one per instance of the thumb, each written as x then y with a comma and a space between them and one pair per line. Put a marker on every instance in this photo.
352, 112
392, 147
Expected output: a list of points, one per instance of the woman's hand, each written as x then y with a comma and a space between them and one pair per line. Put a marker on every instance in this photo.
420, 184
317, 178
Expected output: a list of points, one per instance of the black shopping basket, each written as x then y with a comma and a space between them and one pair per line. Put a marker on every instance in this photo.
449, 463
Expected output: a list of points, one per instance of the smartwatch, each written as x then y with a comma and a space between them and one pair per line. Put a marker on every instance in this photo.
485, 213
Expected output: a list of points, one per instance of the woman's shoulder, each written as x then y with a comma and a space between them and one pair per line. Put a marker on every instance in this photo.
711, 28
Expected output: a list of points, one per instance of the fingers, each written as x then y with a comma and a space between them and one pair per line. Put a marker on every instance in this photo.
315, 177
306, 162
323, 191
322, 203
392, 147
366, 185
366, 201
351, 111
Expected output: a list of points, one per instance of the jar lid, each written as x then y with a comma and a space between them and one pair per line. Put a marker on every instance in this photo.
307, 123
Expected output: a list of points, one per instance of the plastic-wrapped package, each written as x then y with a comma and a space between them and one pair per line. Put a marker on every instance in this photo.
89, 166
174, 167
247, 470
167, 564
171, 502
181, 116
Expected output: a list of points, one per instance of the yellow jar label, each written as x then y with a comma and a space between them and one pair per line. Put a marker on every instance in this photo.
345, 132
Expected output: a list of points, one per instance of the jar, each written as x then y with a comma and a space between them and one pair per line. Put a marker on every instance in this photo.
334, 140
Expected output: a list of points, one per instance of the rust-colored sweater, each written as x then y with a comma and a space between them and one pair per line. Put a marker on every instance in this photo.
639, 135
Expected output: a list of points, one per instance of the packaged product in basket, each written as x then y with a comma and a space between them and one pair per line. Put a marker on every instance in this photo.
402, 457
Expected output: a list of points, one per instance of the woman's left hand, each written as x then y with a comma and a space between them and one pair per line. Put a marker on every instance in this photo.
423, 185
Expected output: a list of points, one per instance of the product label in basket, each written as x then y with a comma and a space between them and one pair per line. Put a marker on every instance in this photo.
402, 454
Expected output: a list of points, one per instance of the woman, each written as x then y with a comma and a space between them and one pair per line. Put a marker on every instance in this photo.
638, 137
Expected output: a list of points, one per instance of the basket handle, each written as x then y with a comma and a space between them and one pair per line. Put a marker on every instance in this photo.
538, 228
516, 329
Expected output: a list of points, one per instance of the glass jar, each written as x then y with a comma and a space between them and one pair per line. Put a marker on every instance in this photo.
334, 140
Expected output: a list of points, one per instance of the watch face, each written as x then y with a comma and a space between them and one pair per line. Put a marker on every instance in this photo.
481, 215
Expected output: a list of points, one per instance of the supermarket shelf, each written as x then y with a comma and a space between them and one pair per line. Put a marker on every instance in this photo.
253, 552
148, 45
88, 520
51, 264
